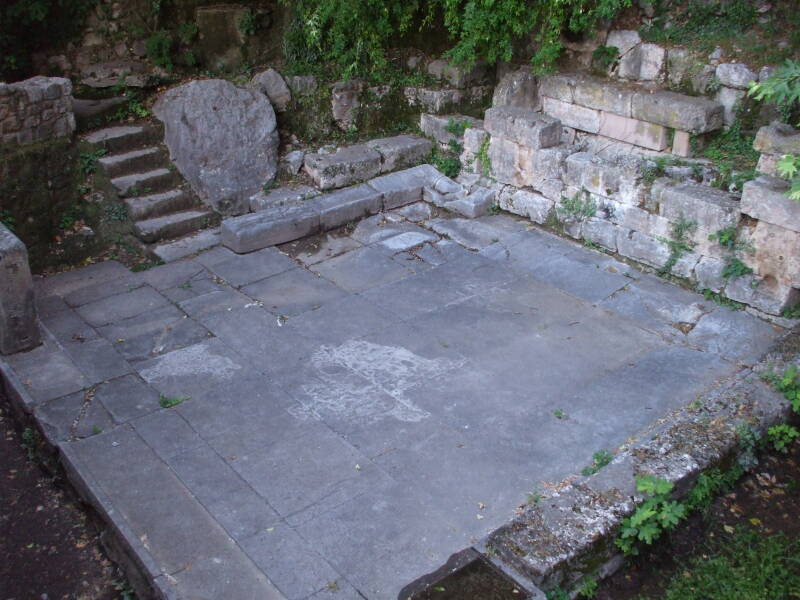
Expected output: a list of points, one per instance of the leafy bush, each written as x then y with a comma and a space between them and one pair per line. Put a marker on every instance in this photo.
355, 34
159, 49
27, 26
604, 56
652, 517
781, 436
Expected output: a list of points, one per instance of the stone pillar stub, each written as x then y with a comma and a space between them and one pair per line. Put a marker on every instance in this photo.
19, 329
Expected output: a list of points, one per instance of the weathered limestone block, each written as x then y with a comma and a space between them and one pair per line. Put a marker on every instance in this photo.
401, 152
682, 144
345, 102
572, 115
601, 232
433, 100
436, 126
643, 248
603, 94
19, 329
735, 75
527, 204
222, 138
777, 138
730, 99
511, 163
284, 196
678, 111
768, 164
271, 83
346, 166
276, 225
400, 188
559, 86
624, 40
523, 126
653, 60
710, 208
768, 294
765, 199
632, 131
776, 254
517, 88
548, 165
708, 274
680, 64
587, 171
456, 76
475, 204
342, 206
474, 139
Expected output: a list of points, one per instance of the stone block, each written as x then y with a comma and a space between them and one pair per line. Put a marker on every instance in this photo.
433, 100
602, 94
345, 102
399, 189
777, 138
601, 232
345, 167
270, 227
632, 131
511, 163
735, 75
776, 254
679, 65
340, 207
587, 171
19, 329
765, 199
730, 98
558, 87
519, 89
624, 40
642, 248
294, 194
527, 204
682, 144
475, 204
271, 84
456, 76
710, 208
401, 152
768, 164
678, 111
708, 273
572, 115
523, 126
548, 164
768, 295
652, 62
436, 126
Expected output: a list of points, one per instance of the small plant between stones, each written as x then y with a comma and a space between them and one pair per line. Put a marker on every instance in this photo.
171, 401
599, 460
679, 243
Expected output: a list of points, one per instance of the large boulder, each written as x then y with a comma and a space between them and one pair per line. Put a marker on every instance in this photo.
223, 139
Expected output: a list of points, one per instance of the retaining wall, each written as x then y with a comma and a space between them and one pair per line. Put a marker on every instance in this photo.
35, 110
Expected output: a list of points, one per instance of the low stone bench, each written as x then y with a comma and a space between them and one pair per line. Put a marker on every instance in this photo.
19, 329
401, 152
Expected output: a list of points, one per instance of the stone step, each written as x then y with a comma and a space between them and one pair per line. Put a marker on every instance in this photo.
149, 182
187, 245
117, 165
157, 205
125, 138
173, 225
344, 167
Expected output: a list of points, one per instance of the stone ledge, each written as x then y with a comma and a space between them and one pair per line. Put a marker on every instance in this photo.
346, 166
710, 208
765, 199
523, 126
777, 138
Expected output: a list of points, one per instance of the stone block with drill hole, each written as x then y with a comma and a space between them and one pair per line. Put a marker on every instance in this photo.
678, 111
528, 204
777, 138
710, 208
572, 115
766, 199
19, 329
633, 131
523, 126
346, 166
401, 152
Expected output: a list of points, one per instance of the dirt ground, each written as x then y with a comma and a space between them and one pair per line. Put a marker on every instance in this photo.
48, 547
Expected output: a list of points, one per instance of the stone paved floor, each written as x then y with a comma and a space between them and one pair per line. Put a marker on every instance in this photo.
353, 417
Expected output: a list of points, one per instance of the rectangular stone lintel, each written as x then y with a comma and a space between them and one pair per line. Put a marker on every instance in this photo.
632, 131
572, 115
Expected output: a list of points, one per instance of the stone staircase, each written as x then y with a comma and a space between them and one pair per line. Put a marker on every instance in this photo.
168, 217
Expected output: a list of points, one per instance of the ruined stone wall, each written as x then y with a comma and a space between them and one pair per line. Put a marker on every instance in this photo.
35, 110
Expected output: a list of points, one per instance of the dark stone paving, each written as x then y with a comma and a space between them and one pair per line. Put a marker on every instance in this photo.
351, 418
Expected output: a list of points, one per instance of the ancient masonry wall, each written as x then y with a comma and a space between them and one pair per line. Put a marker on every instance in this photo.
548, 164
36, 109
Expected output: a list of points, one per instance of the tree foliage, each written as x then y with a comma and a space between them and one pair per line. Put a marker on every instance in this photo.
355, 34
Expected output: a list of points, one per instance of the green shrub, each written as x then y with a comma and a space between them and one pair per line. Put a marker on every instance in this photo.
604, 56
652, 517
355, 34
781, 436
159, 49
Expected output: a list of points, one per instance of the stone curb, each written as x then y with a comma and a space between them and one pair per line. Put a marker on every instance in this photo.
570, 534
